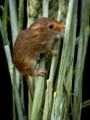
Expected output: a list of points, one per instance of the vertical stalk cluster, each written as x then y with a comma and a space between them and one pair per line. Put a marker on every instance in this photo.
52, 93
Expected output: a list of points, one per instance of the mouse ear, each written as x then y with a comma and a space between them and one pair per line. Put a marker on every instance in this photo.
51, 26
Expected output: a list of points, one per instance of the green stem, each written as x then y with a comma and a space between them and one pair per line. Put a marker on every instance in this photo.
45, 8
13, 18
86, 104
38, 95
20, 15
82, 47
69, 70
17, 99
62, 69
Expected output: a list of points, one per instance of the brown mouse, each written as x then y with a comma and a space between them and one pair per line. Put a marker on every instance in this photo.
33, 41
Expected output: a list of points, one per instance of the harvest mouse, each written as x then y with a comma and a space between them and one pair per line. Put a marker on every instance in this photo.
33, 41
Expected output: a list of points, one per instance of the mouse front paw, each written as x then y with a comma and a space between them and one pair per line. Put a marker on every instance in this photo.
40, 72
54, 52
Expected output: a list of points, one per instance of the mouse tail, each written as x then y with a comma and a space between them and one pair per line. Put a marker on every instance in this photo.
30, 87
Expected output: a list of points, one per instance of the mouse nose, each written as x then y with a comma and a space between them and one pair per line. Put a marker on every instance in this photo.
59, 27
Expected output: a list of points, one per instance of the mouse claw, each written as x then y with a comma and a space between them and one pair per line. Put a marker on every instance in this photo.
40, 72
56, 37
54, 52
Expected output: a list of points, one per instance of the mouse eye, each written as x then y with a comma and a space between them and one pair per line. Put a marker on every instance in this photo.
51, 26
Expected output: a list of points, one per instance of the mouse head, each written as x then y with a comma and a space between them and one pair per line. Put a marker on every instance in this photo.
55, 26
48, 25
